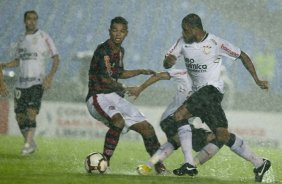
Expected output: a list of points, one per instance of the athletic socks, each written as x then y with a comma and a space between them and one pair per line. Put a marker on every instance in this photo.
30, 135
111, 141
162, 153
185, 137
206, 153
24, 133
240, 148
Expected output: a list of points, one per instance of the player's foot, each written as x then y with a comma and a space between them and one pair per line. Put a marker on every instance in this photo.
186, 169
259, 172
160, 169
144, 169
28, 149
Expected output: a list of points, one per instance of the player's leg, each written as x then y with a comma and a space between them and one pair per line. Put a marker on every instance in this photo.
195, 105
34, 96
239, 146
103, 108
20, 111
165, 150
218, 122
22, 123
113, 135
151, 142
169, 128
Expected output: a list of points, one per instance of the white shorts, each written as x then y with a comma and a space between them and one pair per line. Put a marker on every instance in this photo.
104, 106
177, 101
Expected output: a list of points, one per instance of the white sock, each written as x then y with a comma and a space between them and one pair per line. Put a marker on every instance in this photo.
30, 136
162, 153
185, 138
205, 154
24, 133
240, 148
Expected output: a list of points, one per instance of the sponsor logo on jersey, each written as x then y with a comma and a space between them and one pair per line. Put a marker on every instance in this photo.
25, 55
229, 51
108, 64
192, 66
207, 49
112, 108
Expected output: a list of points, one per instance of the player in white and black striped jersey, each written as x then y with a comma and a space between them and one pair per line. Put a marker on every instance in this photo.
203, 54
34, 47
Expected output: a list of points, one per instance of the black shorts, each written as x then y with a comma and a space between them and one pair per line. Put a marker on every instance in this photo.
206, 104
28, 98
199, 138
199, 135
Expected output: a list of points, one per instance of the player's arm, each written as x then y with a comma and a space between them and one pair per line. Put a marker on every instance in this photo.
248, 64
49, 78
135, 91
169, 61
11, 64
113, 84
132, 73
3, 88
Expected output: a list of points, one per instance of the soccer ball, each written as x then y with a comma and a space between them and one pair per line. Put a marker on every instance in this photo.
96, 163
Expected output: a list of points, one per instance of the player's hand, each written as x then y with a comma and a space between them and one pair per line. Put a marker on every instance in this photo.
133, 91
3, 90
169, 61
148, 72
47, 82
262, 84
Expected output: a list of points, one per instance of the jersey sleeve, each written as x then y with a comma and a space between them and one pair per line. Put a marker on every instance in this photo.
177, 72
227, 49
102, 60
176, 48
50, 45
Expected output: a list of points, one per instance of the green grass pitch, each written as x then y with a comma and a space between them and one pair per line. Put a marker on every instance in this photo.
61, 160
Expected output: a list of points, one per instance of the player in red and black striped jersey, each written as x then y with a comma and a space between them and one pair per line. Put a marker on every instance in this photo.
105, 69
105, 100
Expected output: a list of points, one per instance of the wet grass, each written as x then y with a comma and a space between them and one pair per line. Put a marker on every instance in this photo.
60, 160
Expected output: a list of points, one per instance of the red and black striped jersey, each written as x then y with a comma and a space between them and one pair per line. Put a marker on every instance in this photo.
105, 69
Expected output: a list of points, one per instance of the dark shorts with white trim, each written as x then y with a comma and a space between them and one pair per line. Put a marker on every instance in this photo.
206, 104
28, 98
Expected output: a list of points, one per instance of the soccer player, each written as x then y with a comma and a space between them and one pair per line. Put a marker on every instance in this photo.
105, 99
32, 50
203, 54
201, 135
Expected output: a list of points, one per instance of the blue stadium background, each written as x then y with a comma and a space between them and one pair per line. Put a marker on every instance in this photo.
154, 25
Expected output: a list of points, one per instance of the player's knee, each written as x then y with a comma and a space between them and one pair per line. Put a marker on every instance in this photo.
31, 124
31, 114
144, 128
231, 140
174, 140
222, 135
182, 113
147, 129
118, 121
168, 126
21, 118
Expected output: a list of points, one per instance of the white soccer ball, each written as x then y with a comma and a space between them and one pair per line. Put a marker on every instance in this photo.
96, 163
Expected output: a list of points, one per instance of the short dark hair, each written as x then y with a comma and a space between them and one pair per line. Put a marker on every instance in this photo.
193, 20
119, 20
30, 11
